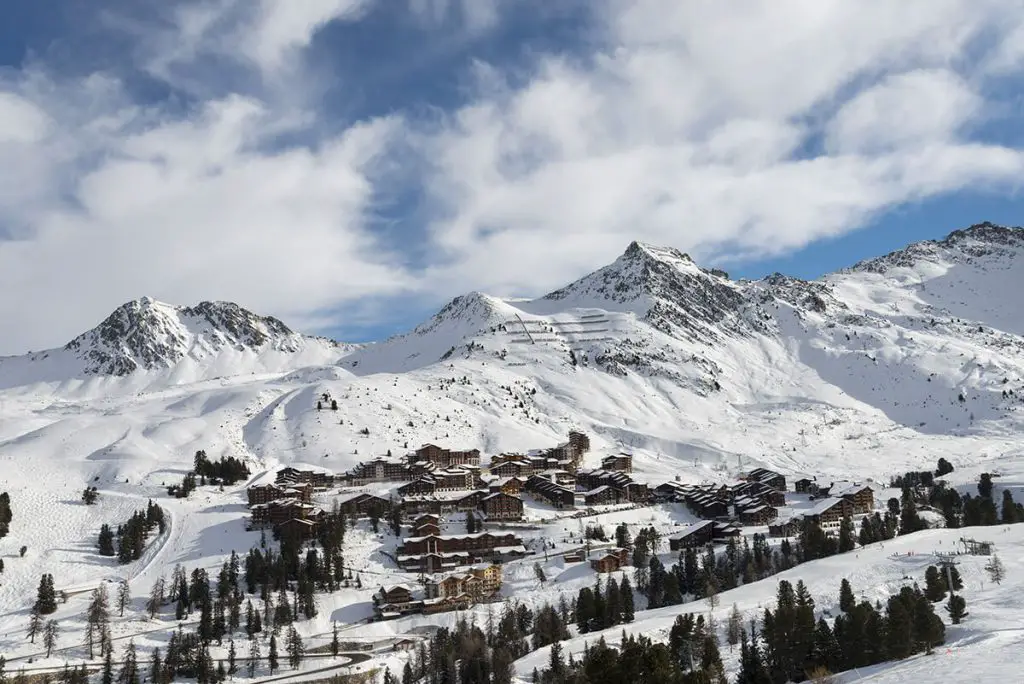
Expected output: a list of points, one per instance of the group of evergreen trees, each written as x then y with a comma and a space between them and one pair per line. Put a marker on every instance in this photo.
187, 486
470, 653
921, 489
601, 608
319, 568
226, 471
5, 514
791, 645
129, 541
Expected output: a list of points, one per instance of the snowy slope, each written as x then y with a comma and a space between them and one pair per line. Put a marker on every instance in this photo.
869, 372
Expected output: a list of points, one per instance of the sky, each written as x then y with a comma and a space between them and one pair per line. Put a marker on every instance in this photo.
350, 165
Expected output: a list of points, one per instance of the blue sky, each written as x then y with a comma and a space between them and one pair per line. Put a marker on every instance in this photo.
350, 165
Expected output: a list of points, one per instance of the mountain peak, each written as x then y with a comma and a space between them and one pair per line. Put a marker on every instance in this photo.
980, 240
986, 232
146, 334
644, 250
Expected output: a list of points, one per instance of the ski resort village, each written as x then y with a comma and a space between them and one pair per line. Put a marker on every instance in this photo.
655, 474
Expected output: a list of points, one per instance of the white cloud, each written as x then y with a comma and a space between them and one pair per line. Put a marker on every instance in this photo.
726, 129
279, 29
906, 110
731, 130
110, 200
267, 36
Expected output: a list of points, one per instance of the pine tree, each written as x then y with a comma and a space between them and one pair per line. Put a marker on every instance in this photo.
106, 541
846, 598
335, 644
156, 597
124, 596
626, 594
957, 608
50, 634
156, 667
846, 535
35, 626
46, 596
232, 656
97, 618
108, 669
407, 677
586, 610
130, 666
254, 655
934, 584
734, 629
995, 569
295, 648
272, 655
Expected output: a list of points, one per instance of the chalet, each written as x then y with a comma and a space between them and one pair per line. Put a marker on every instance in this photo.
317, 478
490, 578
445, 458
708, 504
861, 496
622, 463
806, 485
421, 486
609, 560
600, 496
454, 479
470, 501
576, 556
626, 488
768, 477
670, 491
695, 536
396, 601
501, 506
265, 493
435, 553
515, 468
379, 470
703, 533
404, 645
829, 513
425, 505
297, 528
426, 529
556, 495
560, 477
427, 518
478, 583
275, 512
363, 504
444, 605
453, 586
507, 485
758, 515
761, 492
787, 527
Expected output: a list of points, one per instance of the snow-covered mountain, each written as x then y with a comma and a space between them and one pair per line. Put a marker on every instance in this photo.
146, 336
869, 372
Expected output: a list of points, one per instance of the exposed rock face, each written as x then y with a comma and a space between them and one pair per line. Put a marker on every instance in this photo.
145, 335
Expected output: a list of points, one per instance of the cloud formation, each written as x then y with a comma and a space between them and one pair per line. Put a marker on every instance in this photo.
734, 132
